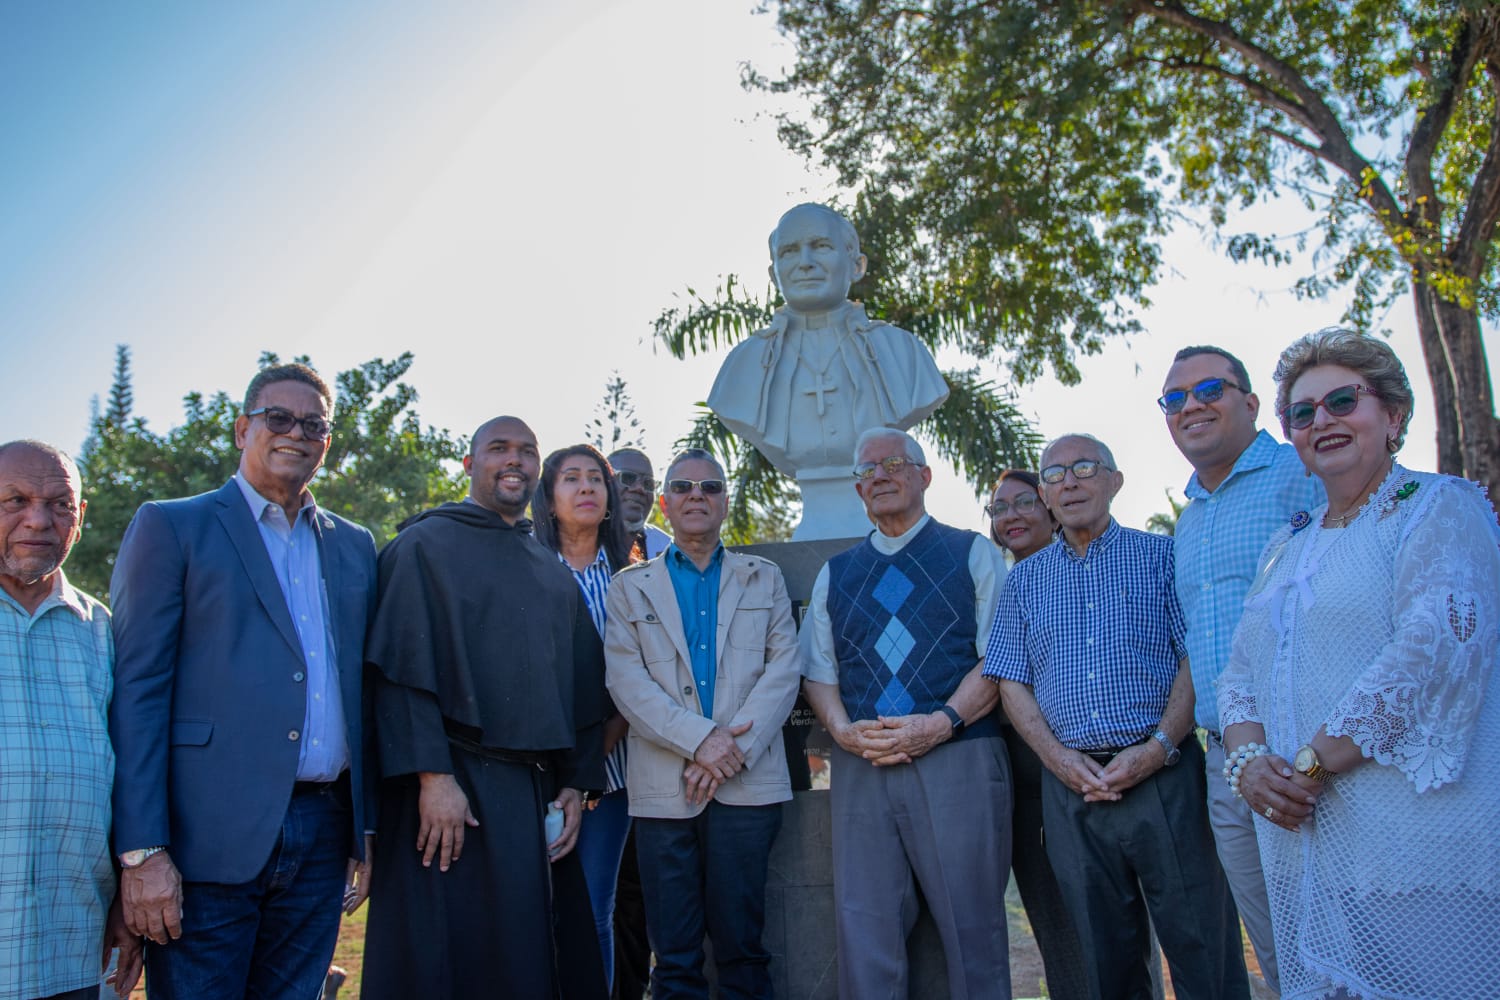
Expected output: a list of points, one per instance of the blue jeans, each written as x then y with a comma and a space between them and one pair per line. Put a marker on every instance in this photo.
270, 938
601, 842
708, 874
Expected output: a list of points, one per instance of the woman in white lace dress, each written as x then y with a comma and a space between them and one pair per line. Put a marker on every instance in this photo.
1360, 703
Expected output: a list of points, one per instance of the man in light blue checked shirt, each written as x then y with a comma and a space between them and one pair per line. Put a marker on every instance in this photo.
56, 656
1088, 649
1244, 486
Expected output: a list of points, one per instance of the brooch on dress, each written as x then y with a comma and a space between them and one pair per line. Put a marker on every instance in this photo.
1389, 507
1300, 520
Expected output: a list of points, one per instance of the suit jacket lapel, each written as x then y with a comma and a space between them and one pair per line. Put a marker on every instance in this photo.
234, 514
332, 566
734, 578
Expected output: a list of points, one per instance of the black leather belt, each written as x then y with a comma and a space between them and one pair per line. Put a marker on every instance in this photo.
1107, 754
339, 784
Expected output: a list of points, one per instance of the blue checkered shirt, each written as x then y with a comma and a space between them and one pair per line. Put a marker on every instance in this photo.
56, 768
1098, 638
1219, 540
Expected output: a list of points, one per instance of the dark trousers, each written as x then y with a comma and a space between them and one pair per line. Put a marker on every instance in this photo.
1056, 937
1150, 852
270, 938
708, 875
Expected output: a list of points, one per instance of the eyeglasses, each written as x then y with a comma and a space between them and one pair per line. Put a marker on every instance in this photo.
282, 421
629, 480
892, 465
1338, 402
1084, 468
1210, 390
1021, 505
682, 487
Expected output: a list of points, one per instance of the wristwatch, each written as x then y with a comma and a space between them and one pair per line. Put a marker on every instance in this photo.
953, 717
1173, 754
137, 857
1306, 762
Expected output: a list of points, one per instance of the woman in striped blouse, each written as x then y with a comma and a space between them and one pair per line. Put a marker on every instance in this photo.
576, 511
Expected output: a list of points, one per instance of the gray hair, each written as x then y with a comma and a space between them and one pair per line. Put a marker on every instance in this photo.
1372, 358
295, 372
1105, 455
843, 226
910, 448
695, 455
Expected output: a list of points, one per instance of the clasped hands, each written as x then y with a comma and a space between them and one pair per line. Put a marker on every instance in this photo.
1098, 782
1269, 783
717, 759
885, 741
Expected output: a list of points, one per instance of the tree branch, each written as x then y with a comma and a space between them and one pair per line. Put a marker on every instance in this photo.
1482, 211
1257, 91
1336, 149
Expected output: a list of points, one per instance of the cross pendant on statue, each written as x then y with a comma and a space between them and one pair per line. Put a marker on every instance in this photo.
823, 385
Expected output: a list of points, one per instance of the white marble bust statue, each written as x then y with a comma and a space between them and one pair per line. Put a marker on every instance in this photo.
804, 388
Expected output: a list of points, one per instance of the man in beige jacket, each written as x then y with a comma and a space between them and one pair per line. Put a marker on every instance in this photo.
701, 658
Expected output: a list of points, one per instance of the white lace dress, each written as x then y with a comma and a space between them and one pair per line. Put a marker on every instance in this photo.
1387, 632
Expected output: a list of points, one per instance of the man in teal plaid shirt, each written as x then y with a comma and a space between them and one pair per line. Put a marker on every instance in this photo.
57, 878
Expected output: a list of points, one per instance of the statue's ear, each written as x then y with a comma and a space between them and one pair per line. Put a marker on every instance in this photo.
860, 263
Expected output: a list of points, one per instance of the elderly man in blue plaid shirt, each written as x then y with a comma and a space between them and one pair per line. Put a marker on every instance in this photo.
1244, 486
56, 876
1088, 647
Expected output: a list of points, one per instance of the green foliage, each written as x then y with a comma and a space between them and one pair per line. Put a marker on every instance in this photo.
1015, 164
615, 425
381, 467
762, 501
1164, 522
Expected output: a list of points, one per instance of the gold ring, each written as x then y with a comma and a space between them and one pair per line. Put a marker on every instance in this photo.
1270, 813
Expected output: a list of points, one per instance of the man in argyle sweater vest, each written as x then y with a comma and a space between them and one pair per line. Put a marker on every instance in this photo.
921, 781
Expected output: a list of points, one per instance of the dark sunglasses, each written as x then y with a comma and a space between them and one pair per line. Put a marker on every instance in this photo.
1210, 390
282, 421
1338, 402
682, 487
1084, 468
627, 480
1021, 505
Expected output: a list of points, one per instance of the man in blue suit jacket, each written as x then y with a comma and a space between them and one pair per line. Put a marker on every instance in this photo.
238, 718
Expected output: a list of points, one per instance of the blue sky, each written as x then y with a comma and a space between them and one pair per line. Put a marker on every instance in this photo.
513, 192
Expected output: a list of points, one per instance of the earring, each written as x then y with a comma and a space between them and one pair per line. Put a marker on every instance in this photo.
608, 514
1391, 445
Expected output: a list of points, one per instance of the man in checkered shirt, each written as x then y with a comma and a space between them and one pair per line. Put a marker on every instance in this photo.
56, 766
1244, 486
1088, 647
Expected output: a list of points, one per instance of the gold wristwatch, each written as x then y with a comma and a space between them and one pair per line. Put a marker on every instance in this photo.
1306, 762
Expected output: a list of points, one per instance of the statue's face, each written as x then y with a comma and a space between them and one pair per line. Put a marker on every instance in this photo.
810, 263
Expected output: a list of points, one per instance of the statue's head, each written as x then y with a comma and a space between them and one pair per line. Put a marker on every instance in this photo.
815, 258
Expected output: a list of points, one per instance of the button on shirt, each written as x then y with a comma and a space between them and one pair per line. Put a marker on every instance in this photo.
1219, 539
698, 601
293, 548
1097, 638
56, 770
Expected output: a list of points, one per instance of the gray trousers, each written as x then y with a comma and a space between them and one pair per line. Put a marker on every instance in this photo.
1239, 854
1150, 852
942, 823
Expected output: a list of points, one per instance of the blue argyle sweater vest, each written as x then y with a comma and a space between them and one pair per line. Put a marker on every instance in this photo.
903, 625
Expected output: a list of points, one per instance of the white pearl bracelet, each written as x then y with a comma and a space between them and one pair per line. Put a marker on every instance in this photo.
1237, 759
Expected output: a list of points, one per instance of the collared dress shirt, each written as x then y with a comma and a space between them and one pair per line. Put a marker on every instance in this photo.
698, 601
986, 568
293, 548
1098, 638
1218, 544
56, 771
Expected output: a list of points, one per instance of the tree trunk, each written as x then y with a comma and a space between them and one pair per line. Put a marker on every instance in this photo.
1468, 435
